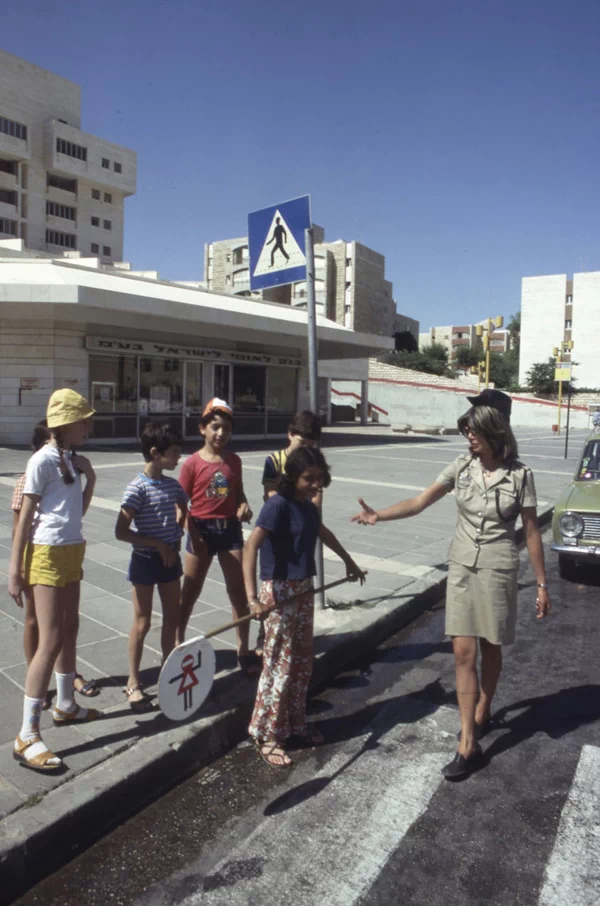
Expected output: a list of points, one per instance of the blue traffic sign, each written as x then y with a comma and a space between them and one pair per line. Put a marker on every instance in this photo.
276, 241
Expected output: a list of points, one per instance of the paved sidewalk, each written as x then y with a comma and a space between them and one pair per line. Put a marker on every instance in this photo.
406, 563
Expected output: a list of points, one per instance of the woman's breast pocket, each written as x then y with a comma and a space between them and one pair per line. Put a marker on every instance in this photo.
507, 504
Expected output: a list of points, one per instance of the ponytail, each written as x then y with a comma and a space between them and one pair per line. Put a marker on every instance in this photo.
67, 475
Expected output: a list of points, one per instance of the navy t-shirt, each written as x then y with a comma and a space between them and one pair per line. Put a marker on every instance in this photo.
288, 551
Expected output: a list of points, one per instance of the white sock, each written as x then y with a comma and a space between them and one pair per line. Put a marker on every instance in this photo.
65, 697
32, 708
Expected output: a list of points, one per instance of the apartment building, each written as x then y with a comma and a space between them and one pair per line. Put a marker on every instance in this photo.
555, 309
350, 284
455, 336
61, 189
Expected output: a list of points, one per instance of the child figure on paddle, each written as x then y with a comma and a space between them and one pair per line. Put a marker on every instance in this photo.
212, 479
286, 534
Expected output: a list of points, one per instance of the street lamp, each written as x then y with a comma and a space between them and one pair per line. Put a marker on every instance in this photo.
485, 333
559, 372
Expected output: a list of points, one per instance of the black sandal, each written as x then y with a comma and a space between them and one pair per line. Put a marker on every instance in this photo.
88, 689
143, 704
270, 753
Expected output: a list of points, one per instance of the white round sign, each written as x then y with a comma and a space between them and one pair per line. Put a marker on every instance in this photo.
186, 678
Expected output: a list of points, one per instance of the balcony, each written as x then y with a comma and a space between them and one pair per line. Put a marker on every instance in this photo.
14, 148
10, 211
96, 150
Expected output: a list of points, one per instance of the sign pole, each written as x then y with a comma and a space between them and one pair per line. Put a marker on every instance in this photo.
568, 416
313, 378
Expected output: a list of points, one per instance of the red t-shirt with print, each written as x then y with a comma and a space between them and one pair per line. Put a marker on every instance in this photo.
213, 487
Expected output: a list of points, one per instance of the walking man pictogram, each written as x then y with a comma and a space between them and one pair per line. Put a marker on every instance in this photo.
279, 236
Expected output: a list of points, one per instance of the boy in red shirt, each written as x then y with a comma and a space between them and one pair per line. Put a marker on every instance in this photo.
212, 479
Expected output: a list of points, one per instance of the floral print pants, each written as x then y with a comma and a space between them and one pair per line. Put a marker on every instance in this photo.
280, 708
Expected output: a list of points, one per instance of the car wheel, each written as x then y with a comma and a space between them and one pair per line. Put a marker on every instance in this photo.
567, 568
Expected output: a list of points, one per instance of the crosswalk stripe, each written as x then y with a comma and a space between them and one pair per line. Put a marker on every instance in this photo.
572, 876
331, 846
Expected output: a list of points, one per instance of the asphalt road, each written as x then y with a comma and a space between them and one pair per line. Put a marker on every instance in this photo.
367, 819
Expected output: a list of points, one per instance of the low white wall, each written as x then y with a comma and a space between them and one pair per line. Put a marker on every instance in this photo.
416, 405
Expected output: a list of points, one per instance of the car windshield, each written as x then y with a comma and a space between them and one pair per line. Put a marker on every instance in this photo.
589, 467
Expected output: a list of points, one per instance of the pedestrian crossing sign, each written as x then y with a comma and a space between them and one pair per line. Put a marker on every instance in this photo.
276, 240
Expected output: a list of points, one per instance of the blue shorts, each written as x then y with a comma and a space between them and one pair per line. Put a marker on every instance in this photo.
147, 568
219, 535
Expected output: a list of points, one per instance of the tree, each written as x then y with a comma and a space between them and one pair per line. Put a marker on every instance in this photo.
514, 330
466, 357
405, 341
540, 377
504, 370
431, 359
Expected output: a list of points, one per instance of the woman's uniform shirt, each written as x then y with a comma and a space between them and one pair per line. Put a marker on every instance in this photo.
485, 529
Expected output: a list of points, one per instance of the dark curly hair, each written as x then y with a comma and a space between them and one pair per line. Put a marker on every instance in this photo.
161, 437
299, 461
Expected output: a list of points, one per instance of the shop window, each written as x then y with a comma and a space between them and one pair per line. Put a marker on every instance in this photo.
249, 397
282, 386
222, 385
194, 396
161, 386
113, 393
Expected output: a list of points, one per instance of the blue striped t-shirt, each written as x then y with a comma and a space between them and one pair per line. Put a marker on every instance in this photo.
153, 503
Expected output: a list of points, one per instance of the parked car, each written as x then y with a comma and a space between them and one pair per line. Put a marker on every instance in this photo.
576, 520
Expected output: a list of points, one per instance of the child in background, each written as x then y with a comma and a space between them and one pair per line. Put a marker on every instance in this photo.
212, 479
157, 505
286, 534
304, 431
47, 554
41, 435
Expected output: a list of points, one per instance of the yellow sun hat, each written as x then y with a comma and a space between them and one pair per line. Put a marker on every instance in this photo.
65, 407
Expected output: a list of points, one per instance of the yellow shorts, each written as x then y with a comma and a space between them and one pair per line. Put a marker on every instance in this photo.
53, 564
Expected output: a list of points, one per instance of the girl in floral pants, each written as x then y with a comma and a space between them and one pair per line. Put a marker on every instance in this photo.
286, 534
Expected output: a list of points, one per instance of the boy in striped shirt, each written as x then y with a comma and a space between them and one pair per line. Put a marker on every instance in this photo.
156, 505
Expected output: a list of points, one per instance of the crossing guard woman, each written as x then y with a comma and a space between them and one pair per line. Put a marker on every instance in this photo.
492, 488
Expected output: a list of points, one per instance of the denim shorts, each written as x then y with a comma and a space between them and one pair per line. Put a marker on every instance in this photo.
219, 535
147, 568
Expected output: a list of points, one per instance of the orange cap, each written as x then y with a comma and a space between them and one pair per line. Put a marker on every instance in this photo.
216, 403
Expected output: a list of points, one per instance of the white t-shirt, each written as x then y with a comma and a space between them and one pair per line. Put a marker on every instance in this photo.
60, 511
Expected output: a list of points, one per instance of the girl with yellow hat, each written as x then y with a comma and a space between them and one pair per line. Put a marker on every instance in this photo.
47, 554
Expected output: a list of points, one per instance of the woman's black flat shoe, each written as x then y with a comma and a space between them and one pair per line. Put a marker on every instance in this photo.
461, 766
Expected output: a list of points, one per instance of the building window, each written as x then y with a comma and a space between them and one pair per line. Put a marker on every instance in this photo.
569, 300
77, 151
107, 225
66, 240
118, 168
94, 248
240, 255
96, 194
228, 258
9, 127
568, 324
8, 226
106, 163
96, 221
8, 197
60, 210
107, 197
8, 166
58, 182
106, 251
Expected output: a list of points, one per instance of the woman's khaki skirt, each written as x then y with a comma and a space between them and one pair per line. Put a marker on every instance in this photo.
482, 603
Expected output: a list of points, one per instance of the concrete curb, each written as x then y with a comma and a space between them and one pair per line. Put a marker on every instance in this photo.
36, 841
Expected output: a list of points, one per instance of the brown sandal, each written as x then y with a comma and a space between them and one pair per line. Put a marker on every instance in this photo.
37, 762
141, 705
271, 752
60, 718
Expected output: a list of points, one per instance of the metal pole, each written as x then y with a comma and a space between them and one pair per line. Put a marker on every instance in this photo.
560, 383
487, 354
313, 378
568, 416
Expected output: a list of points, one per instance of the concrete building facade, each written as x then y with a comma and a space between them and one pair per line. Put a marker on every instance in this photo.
549, 316
350, 284
61, 189
455, 336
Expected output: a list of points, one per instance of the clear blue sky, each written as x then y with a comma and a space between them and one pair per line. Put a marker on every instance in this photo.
460, 138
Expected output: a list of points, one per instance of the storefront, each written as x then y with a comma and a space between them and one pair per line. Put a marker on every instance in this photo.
132, 382
142, 349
